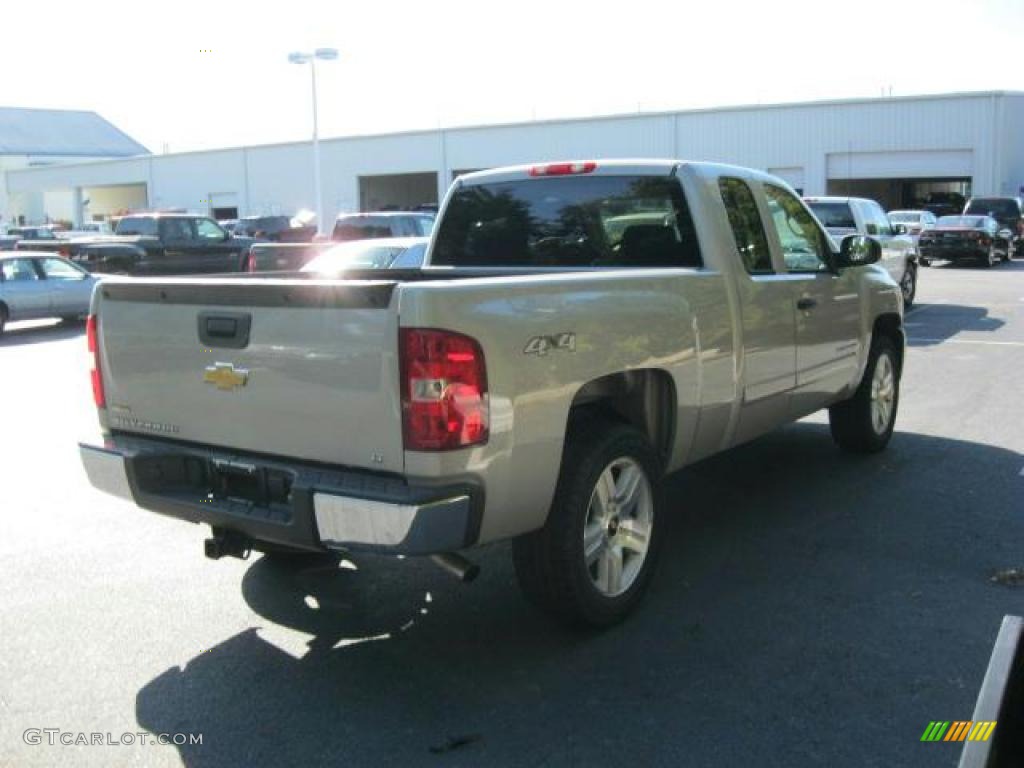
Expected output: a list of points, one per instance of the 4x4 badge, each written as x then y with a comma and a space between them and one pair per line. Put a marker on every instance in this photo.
541, 345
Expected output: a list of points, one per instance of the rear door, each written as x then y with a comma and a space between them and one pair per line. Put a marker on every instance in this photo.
299, 368
214, 250
23, 289
70, 286
827, 305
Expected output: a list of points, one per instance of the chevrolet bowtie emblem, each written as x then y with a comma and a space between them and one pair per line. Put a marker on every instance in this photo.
225, 376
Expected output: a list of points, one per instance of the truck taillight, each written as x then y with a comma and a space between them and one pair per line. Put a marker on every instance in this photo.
444, 390
563, 169
91, 328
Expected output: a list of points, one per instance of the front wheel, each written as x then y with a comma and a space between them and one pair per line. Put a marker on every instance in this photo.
990, 259
592, 561
908, 285
864, 423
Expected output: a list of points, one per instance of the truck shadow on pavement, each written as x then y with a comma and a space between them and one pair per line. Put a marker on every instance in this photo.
17, 334
799, 588
930, 324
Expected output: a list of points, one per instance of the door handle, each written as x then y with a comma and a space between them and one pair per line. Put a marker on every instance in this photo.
225, 329
806, 303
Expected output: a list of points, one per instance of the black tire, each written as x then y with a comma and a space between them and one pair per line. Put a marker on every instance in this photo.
3, 319
550, 563
852, 421
989, 260
908, 285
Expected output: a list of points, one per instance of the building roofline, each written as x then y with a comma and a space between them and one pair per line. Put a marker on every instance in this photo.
555, 121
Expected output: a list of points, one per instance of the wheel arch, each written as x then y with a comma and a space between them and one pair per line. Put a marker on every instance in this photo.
643, 398
890, 325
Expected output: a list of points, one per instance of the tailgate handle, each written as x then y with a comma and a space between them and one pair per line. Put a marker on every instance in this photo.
225, 329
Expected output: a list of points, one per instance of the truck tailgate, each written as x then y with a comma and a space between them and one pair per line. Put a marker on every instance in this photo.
305, 369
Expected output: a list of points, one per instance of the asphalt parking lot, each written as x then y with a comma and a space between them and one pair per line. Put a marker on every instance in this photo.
811, 608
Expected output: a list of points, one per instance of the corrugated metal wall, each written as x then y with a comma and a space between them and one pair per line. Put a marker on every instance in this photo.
915, 137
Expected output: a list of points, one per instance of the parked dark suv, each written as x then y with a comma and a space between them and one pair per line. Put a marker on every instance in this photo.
369, 226
1007, 211
278, 229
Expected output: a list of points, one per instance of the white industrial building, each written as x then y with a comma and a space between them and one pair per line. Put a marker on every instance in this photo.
897, 150
37, 138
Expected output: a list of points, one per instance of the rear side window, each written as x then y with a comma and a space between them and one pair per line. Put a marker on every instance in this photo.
747, 227
363, 228
1002, 207
569, 221
132, 225
833, 215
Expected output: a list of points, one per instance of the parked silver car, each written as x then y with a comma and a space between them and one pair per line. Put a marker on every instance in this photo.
36, 284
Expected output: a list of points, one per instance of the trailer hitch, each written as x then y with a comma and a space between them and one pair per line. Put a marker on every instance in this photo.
227, 544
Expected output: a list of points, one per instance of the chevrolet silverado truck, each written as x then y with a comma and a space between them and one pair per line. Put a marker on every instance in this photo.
578, 331
154, 244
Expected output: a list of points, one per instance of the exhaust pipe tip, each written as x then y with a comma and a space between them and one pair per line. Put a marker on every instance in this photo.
458, 566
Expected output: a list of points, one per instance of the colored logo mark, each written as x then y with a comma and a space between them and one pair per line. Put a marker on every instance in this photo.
959, 730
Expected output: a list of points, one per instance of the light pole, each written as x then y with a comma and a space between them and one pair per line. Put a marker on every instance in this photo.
301, 57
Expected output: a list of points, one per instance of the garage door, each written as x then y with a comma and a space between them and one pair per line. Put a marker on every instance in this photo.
889, 165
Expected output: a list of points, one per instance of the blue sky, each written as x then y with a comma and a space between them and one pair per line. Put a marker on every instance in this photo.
195, 75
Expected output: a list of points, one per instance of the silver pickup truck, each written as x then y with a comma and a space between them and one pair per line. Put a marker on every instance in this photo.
579, 331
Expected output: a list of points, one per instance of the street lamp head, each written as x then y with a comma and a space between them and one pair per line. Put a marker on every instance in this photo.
326, 54
299, 58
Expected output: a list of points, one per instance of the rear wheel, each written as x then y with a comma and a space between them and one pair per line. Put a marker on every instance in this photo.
592, 561
908, 285
864, 423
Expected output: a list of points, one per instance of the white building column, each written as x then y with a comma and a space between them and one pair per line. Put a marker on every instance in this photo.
76, 207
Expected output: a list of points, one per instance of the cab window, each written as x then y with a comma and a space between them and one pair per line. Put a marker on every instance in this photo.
209, 230
804, 248
747, 228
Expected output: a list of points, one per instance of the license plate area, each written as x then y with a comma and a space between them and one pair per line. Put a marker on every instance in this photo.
249, 482
231, 486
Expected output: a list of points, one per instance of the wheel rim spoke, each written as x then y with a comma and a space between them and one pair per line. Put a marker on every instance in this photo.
628, 488
594, 542
604, 495
633, 536
609, 570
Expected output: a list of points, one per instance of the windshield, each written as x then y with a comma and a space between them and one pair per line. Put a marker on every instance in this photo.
833, 215
972, 222
357, 255
905, 217
570, 221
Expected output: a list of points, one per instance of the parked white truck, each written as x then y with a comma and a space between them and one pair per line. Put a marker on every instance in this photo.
842, 216
580, 330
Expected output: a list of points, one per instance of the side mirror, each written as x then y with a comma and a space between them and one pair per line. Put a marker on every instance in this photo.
858, 251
